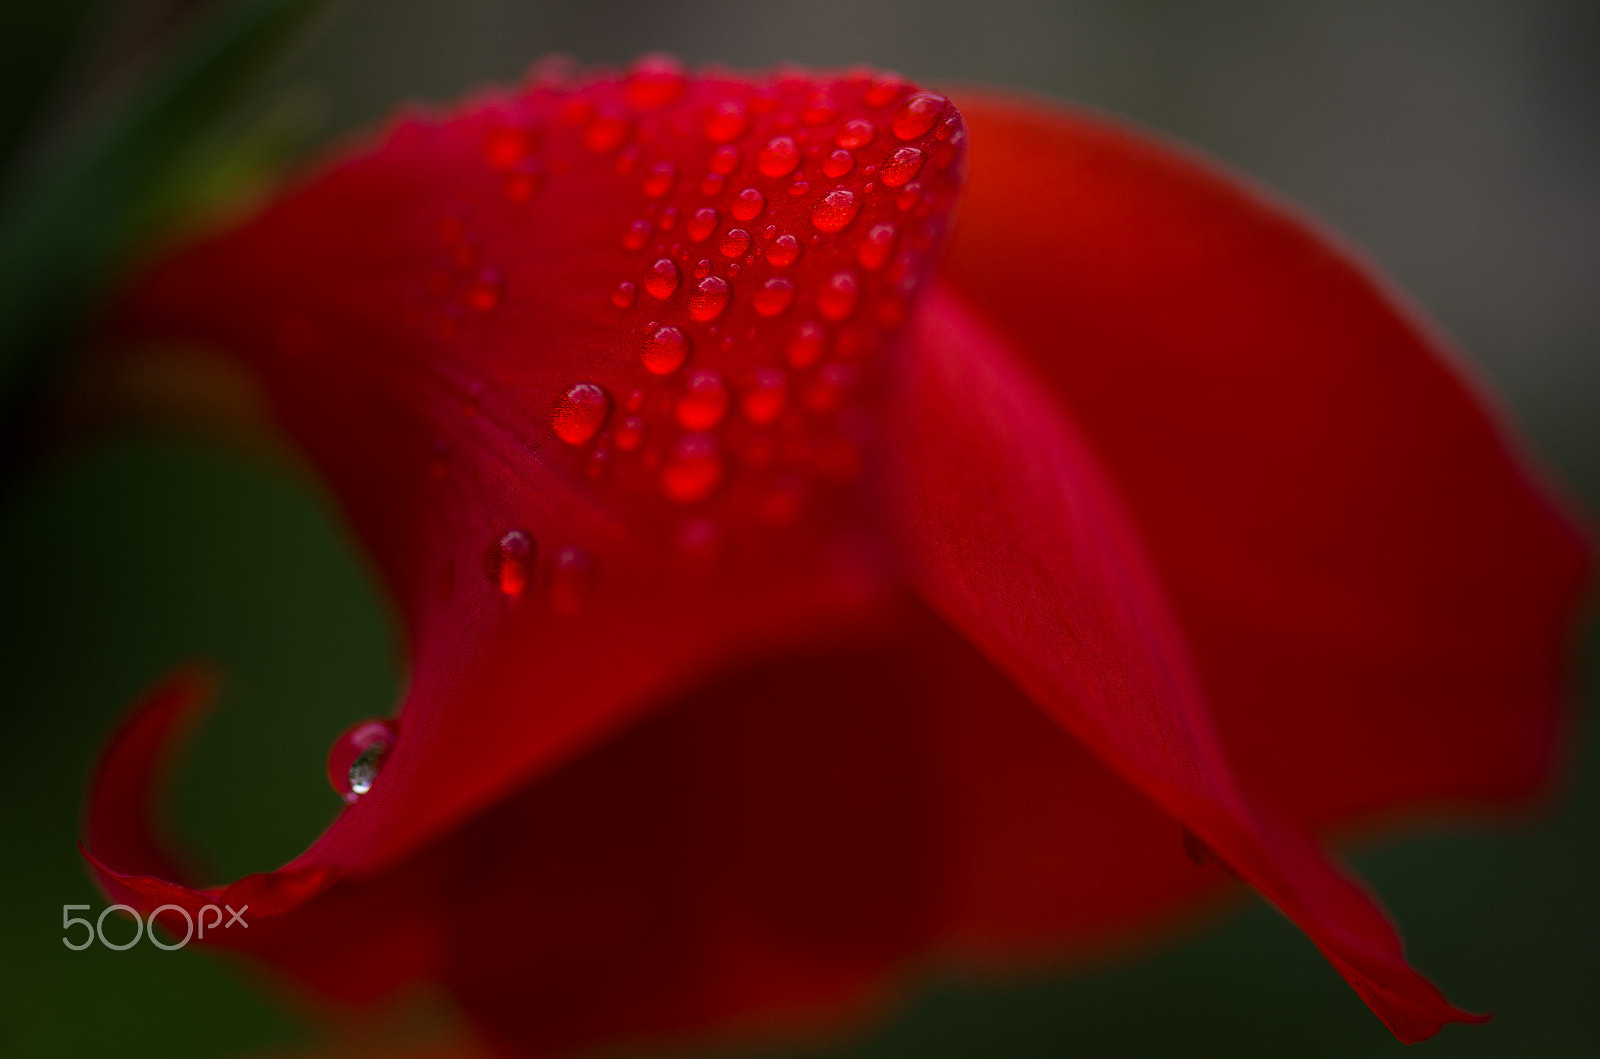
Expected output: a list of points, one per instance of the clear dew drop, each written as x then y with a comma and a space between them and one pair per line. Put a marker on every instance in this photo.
704, 401
917, 115
702, 224
623, 296
735, 241
836, 210
748, 204
837, 299
665, 350
901, 167
838, 163
693, 469
709, 298
773, 296
779, 157
580, 412
662, 279
357, 756
784, 251
508, 562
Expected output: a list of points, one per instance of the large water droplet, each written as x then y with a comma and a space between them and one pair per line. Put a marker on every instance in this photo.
693, 468
748, 204
779, 157
508, 562
917, 115
837, 298
659, 180
783, 252
709, 298
701, 225
901, 167
773, 296
662, 279
727, 121
357, 756
704, 401
665, 350
735, 241
836, 210
854, 134
580, 412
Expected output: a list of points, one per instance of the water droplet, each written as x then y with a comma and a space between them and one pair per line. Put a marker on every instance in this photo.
836, 210
665, 350
655, 81
727, 121
713, 184
572, 579
580, 412
764, 399
662, 279
509, 562
917, 115
902, 166
634, 400
507, 147
819, 108
484, 293
709, 298
876, 246
854, 134
827, 391
669, 218
659, 180
725, 159
749, 203
774, 296
523, 183
779, 157
735, 241
784, 251
837, 299
606, 133
623, 296
704, 401
702, 268
357, 757
805, 348
629, 434
908, 196
693, 468
838, 163
798, 188
701, 224
637, 235
885, 89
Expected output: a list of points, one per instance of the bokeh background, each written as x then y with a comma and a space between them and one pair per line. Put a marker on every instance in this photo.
1457, 142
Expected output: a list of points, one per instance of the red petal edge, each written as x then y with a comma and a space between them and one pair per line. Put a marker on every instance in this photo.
1014, 535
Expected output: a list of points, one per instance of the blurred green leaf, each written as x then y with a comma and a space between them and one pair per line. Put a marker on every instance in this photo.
66, 229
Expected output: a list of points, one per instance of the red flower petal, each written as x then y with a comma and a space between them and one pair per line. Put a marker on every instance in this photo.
589, 450
1377, 593
1014, 535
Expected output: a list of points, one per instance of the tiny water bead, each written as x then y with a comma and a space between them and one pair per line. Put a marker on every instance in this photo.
572, 579
508, 562
356, 757
505, 148
725, 159
884, 89
662, 279
773, 296
779, 157
854, 134
836, 210
702, 224
665, 350
748, 204
637, 234
901, 167
838, 163
709, 297
876, 246
580, 412
486, 289
764, 398
623, 296
606, 133
735, 242
704, 401
659, 180
837, 299
805, 348
727, 121
917, 115
655, 81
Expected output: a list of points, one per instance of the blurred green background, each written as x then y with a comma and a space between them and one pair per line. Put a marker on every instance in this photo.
1454, 140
